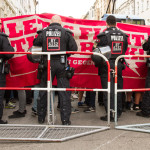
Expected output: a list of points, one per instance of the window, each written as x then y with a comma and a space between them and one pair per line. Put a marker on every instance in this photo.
138, 8
147, 4
132, 9
142, 5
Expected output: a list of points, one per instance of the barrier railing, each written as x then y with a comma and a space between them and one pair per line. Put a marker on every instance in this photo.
49, 82
52, 132
128, 90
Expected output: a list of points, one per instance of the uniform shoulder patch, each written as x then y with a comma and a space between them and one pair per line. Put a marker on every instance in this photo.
3, 34
101, 34
68, 30
41, 30
127, 35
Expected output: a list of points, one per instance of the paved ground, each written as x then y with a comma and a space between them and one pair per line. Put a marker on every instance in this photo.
112, 139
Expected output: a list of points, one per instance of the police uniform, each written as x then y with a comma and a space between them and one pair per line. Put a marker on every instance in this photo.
55, 38
117, 40
4, 47
146, 97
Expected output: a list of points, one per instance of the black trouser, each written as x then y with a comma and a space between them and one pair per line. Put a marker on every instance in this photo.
2, 84
90, 98
100, 98
29, 97
7, 95
57, 69
146, 97
104, 82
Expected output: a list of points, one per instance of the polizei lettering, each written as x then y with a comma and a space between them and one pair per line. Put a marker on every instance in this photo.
53, 33
116, 38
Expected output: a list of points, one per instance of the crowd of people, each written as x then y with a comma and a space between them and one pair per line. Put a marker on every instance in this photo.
56, 38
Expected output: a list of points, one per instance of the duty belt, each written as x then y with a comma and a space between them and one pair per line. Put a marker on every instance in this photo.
1, 65
55, 57
112, 59
1, 60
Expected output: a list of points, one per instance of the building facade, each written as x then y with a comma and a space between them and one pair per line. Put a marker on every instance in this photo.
11, 8
98, 9
140, 8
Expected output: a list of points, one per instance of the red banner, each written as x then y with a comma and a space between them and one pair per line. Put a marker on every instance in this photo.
22, 31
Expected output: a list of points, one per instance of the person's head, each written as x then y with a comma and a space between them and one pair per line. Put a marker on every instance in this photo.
56, 19
111, 21
0, 25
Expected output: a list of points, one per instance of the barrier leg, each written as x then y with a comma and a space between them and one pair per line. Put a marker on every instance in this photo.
48, 107
52, 107
108, 104
115, 98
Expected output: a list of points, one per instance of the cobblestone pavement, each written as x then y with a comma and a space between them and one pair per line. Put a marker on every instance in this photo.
112, 139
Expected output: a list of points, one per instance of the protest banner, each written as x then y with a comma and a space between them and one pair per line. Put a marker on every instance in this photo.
23, 29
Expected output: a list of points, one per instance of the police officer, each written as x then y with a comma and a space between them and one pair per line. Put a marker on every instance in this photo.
55, 38
145, 108
117, 41
4, 47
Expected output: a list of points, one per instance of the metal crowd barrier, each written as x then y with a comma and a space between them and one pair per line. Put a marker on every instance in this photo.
46, 129
132, 127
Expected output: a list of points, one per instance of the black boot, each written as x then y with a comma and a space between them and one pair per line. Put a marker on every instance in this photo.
66, 123
3, 122
142, 114
41, 120
105, 118
128, 105
17, 114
